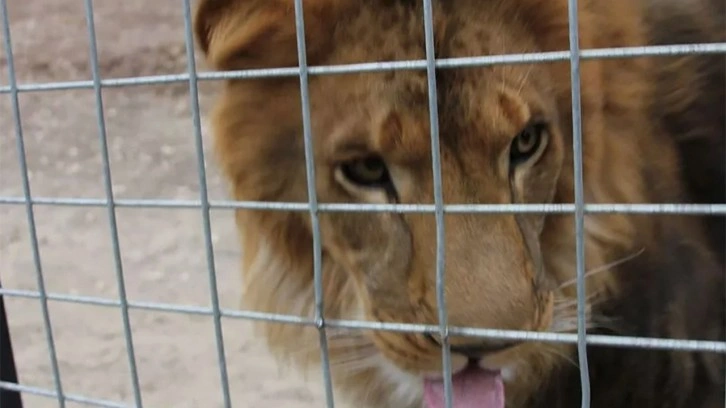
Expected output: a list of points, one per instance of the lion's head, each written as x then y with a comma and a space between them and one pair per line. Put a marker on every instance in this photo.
506, 137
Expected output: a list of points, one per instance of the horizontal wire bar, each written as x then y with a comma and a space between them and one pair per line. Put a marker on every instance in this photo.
44, 392
445, 63
159, 307
593, 339
665, 208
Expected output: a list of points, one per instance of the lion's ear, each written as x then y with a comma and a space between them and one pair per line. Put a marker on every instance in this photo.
243, 34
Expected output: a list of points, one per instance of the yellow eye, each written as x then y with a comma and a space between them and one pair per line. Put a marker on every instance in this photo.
527, 143
366, 172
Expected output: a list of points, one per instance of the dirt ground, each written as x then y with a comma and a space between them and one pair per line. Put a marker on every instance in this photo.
151, 143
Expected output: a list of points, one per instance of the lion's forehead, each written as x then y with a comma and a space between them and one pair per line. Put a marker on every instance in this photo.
478, 111
384, 30
478, 108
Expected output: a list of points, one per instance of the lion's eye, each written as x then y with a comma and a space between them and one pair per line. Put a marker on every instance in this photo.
527, 143
366, 172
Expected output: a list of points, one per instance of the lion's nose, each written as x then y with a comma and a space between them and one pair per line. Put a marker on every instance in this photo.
476, 350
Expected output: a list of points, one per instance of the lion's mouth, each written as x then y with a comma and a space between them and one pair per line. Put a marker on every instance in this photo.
472, 387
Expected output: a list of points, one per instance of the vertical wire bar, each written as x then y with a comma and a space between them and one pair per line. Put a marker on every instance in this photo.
724, 249
111, 208
313, 201
204, 199
724, 305
32, 230
438, 199
579, 199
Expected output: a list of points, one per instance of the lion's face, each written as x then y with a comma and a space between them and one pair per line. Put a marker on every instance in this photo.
502, 146
502, 140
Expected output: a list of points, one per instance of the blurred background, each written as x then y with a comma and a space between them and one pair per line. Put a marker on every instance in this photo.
152, 153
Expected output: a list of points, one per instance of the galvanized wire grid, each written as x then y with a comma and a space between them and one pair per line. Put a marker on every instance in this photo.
430, 64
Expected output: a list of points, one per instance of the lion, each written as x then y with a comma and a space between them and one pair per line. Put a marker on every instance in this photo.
653, 131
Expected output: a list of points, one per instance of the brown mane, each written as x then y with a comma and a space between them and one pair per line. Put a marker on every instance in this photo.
652, 130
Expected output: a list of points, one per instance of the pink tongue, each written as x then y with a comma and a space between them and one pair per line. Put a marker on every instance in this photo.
472, 388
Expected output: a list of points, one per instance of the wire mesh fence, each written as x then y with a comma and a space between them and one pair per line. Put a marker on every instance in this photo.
204, 204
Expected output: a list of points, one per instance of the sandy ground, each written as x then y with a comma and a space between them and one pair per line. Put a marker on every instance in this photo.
151, 143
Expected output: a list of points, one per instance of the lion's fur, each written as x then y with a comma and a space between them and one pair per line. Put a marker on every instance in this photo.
652, 130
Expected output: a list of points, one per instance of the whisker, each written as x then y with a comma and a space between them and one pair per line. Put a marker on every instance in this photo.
602, 268
351, 360
345, 333
566, 302
335, 348
352, 366
565, 320
548, 348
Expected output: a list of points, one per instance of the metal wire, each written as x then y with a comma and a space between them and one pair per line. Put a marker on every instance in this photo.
680, 209
32, 231
579, 201
313, 202
108, 187
438, 201
443, 63
724, 249
44, 392
574, 55
524, 335
204, 197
